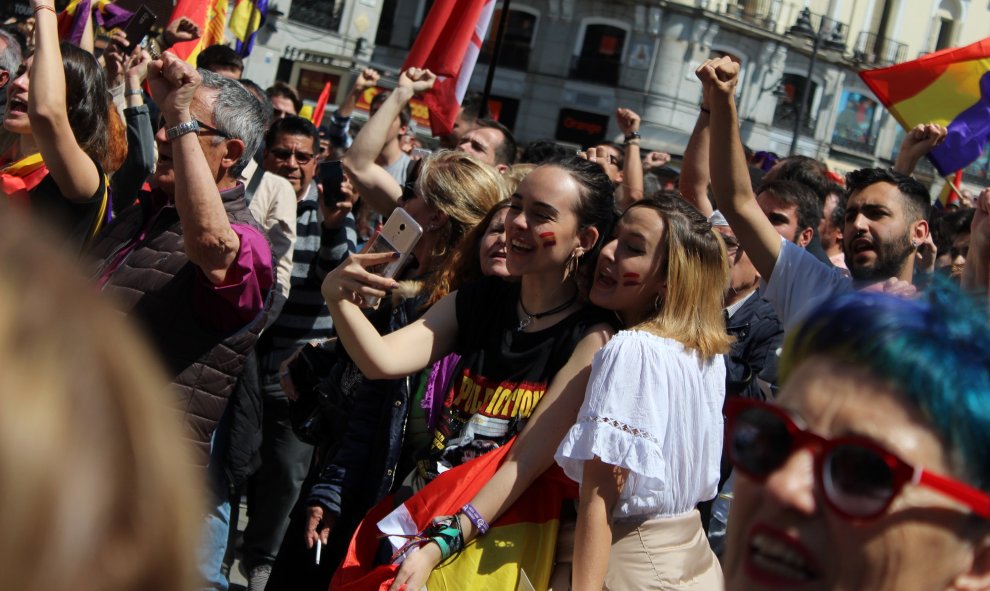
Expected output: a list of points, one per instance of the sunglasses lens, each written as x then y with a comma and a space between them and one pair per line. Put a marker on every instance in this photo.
760, 442
858, 481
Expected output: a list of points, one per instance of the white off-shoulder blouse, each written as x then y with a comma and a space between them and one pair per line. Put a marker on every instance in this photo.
654, 408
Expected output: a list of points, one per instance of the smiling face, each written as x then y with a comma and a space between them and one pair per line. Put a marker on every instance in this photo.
493, 247
16, 117
628, 277
878, 234
783, 536
542, 226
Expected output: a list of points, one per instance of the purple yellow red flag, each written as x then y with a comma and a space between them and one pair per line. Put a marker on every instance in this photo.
949, 87
523, 540
448, 45
210, 16
245, 20
72, 21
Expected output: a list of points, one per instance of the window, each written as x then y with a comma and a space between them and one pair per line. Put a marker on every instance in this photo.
517, 40
943, 32
323, 14
601, 53
855, 127
786, 111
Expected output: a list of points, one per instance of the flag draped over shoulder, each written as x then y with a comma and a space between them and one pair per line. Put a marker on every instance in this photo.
245, 20
523, 539
210, 16
949, 87
448, 45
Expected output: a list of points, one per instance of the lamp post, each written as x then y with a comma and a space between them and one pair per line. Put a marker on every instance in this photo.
804, 28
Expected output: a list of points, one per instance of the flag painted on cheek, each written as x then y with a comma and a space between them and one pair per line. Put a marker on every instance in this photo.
549, 239
949, 87
630, 279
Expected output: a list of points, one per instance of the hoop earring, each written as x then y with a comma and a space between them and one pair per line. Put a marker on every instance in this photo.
571, 266
658, 303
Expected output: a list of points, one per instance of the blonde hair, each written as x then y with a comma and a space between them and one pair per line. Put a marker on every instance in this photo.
696, 271
516, 174
96, 488
465, 189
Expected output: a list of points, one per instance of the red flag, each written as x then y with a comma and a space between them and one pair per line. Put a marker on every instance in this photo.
448, 45
321, 104
524, 538
210, 15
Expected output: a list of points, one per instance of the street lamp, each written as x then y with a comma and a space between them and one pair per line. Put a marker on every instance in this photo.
829, 33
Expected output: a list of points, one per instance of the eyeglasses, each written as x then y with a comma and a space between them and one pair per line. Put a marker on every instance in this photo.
858, 478
284, 155
204, 129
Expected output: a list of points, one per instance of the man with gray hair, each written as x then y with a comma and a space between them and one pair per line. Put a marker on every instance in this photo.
190, 263
10, 61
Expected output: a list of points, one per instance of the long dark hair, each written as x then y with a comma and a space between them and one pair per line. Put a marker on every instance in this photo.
87, 101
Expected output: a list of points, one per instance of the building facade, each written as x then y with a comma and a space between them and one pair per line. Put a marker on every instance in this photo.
565, 65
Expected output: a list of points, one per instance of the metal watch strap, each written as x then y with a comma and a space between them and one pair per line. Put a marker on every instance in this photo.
182, 129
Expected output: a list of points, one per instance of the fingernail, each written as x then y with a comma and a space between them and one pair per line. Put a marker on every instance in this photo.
395, 285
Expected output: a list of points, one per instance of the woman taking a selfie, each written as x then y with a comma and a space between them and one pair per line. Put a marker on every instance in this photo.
536, 337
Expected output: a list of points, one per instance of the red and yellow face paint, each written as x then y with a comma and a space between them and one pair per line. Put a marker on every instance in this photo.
549, 239
630, 279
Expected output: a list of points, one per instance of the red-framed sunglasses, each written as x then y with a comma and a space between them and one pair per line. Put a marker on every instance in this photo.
859, 479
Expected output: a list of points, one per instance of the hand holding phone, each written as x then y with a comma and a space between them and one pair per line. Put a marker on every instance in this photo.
331, 175
138, 27
365, 277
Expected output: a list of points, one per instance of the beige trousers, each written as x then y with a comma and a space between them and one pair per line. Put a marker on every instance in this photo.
662, 554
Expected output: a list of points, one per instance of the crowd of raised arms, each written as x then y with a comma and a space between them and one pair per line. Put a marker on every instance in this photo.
587, 373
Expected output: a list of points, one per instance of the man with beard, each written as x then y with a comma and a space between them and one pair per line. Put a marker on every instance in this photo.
885, 218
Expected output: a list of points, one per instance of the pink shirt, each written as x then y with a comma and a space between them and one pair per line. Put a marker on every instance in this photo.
237, 301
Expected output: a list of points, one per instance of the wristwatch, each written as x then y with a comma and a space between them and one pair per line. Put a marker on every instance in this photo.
191, 126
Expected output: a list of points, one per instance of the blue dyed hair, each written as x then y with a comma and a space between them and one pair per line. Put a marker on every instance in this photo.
935, 350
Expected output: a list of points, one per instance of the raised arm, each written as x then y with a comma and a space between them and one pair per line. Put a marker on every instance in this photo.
529, 457
340, 121
210, 242
976, 273
695, 174
398, 353
916, 144
632, 163
76, 175
732, 186
373, 182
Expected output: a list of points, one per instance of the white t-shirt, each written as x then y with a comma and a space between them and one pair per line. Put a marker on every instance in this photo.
800, 282
654, 408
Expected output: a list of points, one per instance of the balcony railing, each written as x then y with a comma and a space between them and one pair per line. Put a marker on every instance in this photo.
322, 14
877, 51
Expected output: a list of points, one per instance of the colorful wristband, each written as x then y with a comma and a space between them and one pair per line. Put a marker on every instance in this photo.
446, 533
475, 518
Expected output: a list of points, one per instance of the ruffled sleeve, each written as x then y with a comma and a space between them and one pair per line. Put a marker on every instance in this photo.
656, 410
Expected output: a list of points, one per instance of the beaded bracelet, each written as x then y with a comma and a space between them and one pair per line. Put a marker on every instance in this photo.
479, 522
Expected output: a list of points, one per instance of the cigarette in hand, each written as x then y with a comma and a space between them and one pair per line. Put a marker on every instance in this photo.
319, 549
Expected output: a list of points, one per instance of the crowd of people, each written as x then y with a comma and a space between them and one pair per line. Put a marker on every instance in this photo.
758, 375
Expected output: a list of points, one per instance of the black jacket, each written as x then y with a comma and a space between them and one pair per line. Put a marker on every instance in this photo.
753, 357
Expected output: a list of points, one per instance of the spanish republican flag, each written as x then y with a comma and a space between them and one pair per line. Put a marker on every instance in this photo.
949, 87
448, 45
245, 20
210, 15
524, 539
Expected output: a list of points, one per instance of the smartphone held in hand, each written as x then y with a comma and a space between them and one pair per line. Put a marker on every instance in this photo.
331, 175
139, 25
399, 235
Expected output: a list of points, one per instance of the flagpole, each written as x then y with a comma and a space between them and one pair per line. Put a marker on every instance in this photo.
483, 111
